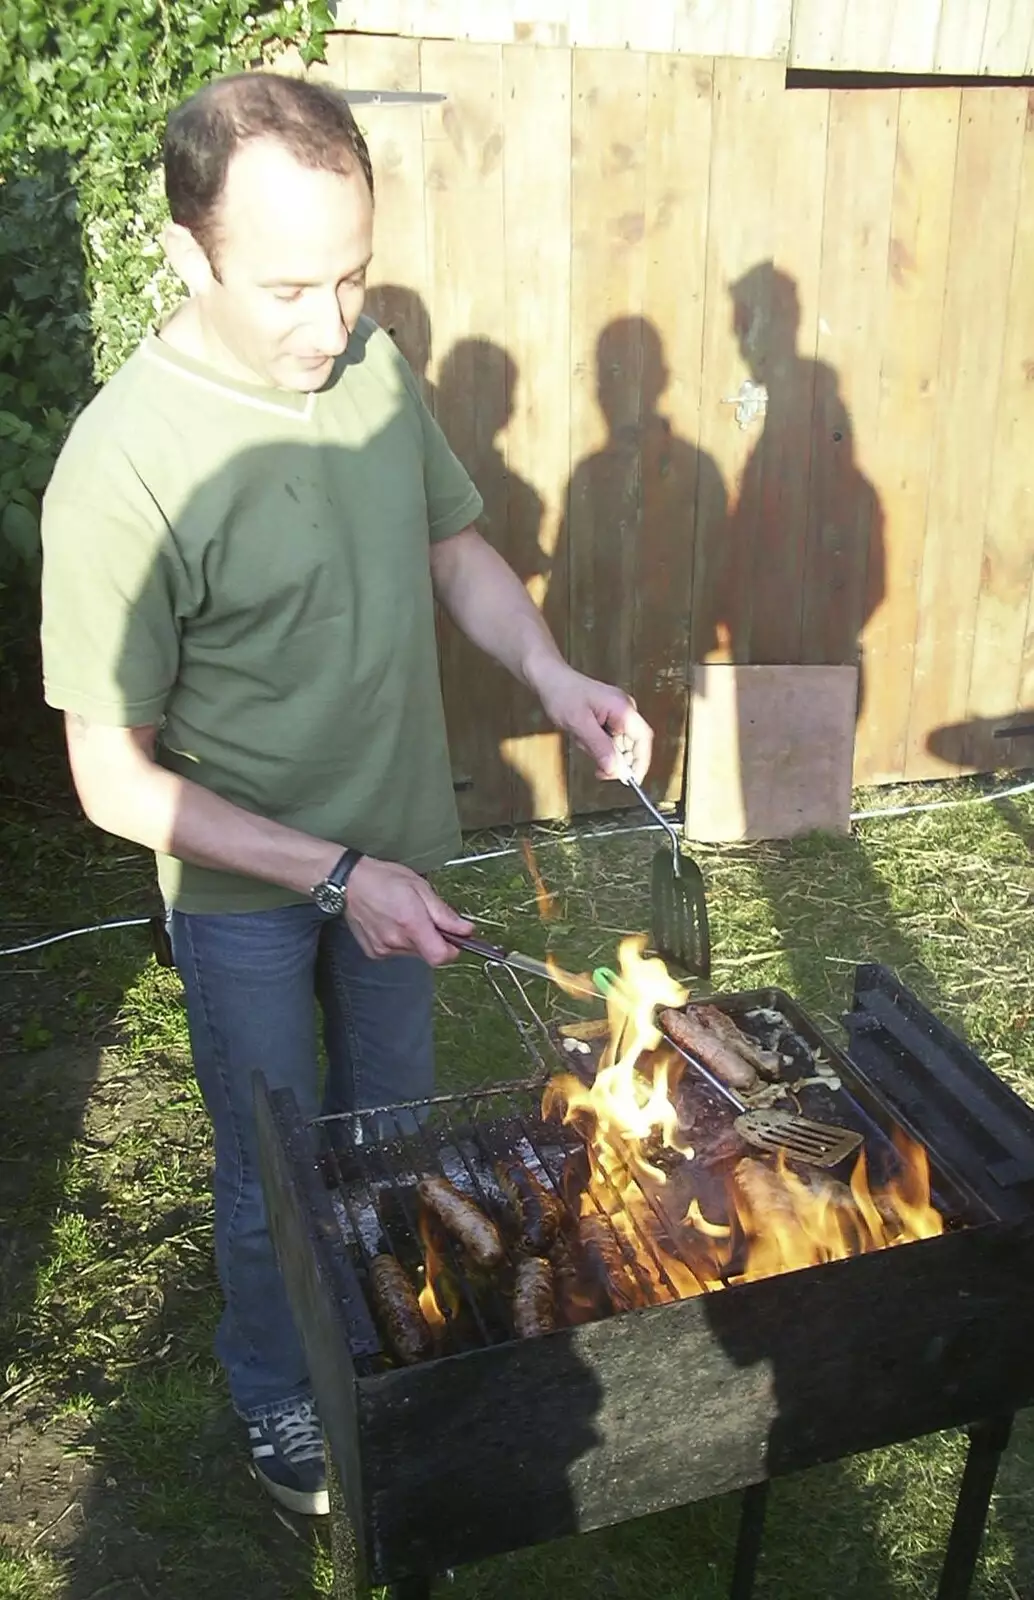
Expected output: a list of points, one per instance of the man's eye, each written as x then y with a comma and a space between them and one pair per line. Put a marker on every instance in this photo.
287, 294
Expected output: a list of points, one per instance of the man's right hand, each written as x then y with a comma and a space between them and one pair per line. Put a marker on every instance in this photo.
393, 912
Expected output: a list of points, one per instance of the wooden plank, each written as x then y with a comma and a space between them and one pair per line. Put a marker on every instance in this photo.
1007, 38
772, 508
618, 25
845, 524
463, 172
749, 28
913, 36
399, 272
758, 29
537, 217
960, 36
608, 198
678, 154
991, 138
817, 34
924, 176
1007, 572
741, 233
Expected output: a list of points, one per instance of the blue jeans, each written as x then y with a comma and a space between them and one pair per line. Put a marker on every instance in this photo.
252, 980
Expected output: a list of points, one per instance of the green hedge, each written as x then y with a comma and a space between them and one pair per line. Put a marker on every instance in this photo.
84, 89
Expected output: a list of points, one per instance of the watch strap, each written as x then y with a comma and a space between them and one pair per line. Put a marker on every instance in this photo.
343, 868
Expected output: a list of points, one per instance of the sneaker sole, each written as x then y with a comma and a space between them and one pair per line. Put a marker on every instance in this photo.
305, 1505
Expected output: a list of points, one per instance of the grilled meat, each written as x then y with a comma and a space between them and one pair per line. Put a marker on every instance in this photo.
578, 1299
536, 1208
466, 1222
695, 1032
533, 1310
764, 1062
603, 1253
399, 1311
764, 1192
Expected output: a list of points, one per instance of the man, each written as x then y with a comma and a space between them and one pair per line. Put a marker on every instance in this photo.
242, 541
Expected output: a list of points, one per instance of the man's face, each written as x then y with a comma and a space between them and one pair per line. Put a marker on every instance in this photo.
292, 251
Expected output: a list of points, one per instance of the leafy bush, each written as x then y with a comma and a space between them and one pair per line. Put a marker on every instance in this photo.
85, 86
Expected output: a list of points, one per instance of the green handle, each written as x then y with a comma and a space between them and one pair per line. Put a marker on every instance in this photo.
604, 978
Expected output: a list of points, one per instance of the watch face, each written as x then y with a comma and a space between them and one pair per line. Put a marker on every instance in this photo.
330, 897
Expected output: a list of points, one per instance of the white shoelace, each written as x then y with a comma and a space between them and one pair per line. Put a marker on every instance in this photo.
299, 1434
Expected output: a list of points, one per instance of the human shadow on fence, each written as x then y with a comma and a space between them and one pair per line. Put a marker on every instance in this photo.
620, 592
984, 744
404, 316
486, 709
792, 576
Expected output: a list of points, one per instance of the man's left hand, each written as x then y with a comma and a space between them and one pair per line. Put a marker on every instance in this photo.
599, 717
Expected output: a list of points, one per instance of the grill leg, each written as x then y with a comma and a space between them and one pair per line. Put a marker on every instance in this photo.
987, 1440
748, 1543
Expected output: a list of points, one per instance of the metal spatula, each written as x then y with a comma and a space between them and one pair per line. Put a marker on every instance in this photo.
678, 905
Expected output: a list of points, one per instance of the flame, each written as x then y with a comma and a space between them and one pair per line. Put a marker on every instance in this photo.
776, 1218
548, 908
429, 1306
434, 1316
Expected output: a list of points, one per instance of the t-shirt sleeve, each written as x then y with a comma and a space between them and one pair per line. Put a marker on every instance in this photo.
110, 630
453, 502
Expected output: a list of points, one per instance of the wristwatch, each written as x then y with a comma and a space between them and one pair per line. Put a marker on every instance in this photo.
331, 893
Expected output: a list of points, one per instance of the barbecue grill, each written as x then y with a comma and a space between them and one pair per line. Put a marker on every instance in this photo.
497, 1443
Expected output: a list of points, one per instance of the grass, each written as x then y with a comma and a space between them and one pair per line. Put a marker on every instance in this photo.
124, 1475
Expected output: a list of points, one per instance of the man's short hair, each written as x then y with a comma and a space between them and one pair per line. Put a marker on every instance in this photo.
314, 122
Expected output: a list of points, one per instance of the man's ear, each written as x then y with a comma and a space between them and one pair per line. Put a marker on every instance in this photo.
187, 259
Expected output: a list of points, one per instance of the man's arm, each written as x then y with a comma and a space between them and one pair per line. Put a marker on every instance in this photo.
123, 790
487, 600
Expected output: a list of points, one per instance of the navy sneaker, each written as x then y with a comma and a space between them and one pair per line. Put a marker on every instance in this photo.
287, 1451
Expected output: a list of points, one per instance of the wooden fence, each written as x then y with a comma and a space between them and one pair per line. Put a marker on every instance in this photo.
592, 256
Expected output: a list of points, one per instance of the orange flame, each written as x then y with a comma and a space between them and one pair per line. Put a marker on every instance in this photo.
428, 1300
548, 908
776, 1220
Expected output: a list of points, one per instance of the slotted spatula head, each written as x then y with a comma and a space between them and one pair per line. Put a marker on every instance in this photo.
678, 908
814, 1143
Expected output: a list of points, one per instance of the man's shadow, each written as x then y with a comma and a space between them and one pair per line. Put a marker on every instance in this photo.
486, 709
404, 316
799, 568
620, 597
983, 744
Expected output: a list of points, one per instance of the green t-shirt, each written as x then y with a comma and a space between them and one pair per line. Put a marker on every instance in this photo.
249, 569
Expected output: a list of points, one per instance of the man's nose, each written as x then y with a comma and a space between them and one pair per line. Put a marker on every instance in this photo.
331, 333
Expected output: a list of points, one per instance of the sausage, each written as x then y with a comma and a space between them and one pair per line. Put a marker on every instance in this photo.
764, 1062
604, 1255
533, 1311
537, 1210
764, 1192
692, 1032
399, 1311
577, 1299
467, 1223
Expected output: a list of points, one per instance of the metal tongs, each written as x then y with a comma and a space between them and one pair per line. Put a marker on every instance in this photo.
517, 962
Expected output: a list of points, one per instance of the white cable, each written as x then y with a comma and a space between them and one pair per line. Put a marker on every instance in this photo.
73, 933
563, 838
566, 838
940, 805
